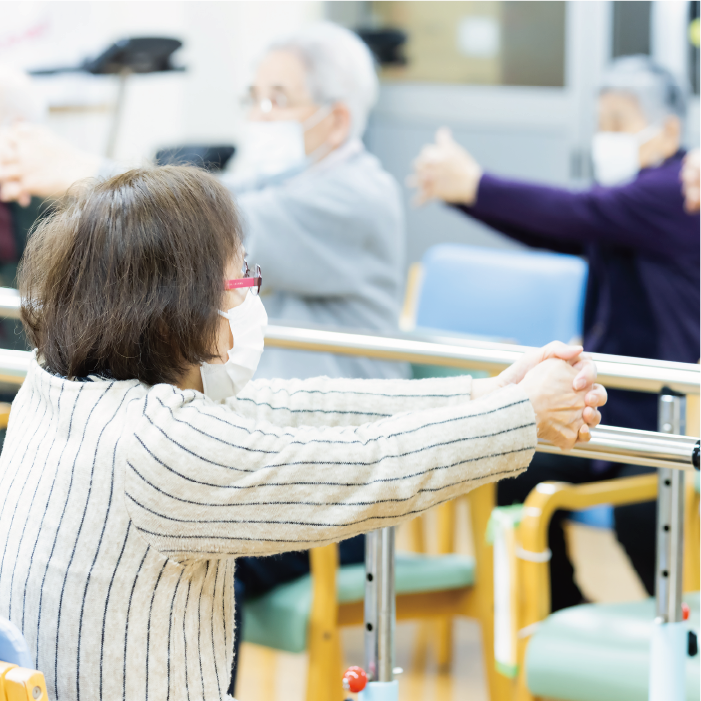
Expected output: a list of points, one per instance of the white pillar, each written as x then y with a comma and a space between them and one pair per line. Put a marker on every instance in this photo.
669, 44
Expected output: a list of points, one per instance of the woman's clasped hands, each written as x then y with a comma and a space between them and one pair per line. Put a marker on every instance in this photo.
560, 382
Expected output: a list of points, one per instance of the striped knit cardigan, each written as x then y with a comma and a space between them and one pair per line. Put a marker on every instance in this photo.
123, 507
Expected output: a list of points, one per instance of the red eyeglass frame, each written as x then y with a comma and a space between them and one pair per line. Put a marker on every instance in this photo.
248, 280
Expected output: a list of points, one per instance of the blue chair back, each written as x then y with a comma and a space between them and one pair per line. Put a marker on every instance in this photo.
528, 297
13, 647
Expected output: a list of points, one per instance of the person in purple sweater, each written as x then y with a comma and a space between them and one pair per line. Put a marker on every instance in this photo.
642, 245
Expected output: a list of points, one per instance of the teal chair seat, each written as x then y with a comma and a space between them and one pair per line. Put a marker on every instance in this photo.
600, 652
279, 619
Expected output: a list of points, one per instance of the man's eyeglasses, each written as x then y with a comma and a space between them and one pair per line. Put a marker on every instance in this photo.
277, 99
246, 280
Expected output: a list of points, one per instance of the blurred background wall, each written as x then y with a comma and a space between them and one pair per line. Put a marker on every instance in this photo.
514, 80
220, 43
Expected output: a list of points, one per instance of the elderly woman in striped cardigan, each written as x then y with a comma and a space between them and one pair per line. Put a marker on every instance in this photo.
137, 466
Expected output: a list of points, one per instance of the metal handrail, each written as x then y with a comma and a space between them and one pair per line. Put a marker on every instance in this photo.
9, 303
616, 372
607, 442
635, 447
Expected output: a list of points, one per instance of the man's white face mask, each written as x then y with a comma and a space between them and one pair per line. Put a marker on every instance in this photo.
276, 148
248, 322
616, 155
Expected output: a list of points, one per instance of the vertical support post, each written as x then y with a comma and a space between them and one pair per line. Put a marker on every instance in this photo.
386, 622
372, 577
668, 648
117, 113
379, 616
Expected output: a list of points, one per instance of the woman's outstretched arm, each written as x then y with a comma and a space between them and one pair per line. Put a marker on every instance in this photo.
321, 401
203, 481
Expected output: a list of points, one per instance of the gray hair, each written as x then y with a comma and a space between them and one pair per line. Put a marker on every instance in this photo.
340, 68
19, 100
657, 91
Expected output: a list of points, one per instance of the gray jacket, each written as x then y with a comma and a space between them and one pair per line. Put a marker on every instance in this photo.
331, 244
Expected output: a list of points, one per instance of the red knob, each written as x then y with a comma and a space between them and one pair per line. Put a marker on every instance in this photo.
355, 679
685, 612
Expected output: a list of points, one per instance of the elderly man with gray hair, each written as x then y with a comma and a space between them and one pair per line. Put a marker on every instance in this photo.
325, 221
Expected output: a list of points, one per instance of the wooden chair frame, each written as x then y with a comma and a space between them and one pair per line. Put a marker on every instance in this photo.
20, 684
476, 601
532, 535
4, 419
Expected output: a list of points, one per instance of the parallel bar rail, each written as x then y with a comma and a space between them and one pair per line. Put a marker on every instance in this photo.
635, 448
607, 443
9, 303
616, 372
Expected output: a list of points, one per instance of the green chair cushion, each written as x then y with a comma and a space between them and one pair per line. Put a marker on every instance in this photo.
421, 371
279, 618
600, 652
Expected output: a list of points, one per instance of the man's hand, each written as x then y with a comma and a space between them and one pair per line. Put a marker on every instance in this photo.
35, 161
690, 182
445, 171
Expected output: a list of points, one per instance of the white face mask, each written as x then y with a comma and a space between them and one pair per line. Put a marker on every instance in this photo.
616, 155
276, 148
248, 322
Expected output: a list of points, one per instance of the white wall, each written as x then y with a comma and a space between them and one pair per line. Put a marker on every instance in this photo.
220, 42
224, 40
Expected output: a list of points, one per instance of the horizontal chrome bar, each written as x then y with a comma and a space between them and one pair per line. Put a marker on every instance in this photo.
607, 443
9, 303
635, 447
618, 372
14, 366
615, 371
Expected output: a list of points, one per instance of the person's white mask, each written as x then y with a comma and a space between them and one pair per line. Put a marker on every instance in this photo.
616, 155
248, 322
276, 148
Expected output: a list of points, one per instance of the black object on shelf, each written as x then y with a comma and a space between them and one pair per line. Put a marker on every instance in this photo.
124, 58
137, 55
386, 45
211, 158
142, 55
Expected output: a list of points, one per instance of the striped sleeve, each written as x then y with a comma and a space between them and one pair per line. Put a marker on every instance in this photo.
322, 401
203, 481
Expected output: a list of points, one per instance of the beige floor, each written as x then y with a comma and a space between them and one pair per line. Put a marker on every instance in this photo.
603, 573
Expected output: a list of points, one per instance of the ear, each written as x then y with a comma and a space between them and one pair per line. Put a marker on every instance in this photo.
341, 117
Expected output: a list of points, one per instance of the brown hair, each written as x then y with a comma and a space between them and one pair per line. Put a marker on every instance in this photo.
125, 278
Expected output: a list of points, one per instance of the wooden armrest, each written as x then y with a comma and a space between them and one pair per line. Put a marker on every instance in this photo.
407, 318
20, 684
4, 418
532, 534
549, 497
